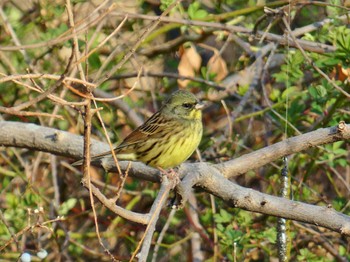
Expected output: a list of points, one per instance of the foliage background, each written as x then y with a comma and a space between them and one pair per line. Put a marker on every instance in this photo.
37, 187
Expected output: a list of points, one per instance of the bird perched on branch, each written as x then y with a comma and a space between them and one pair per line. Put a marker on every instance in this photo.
167, 138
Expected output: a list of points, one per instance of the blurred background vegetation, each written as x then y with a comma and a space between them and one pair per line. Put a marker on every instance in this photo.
291, 97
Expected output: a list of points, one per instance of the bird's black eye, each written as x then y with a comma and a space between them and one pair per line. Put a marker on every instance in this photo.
187, 105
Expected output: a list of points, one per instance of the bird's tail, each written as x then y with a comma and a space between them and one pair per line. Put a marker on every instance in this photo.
93, 158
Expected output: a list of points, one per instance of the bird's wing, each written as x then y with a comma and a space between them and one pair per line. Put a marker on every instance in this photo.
153, 128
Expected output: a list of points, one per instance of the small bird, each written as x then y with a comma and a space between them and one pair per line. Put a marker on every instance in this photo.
167, 138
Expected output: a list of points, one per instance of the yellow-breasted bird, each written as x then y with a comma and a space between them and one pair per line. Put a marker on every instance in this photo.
167, 138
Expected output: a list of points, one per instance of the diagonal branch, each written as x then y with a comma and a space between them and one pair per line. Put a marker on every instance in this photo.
287, 147
210, 179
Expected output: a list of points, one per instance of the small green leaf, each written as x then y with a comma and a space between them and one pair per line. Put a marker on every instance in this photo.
242, 90
313, 92
223, 217
67, 206
149, 192
234, 235
164, 4
194, 11
201, 14
321, 90
342, 162
342, 251
275, 94
290, 91
94, 61
220, 227
270, 234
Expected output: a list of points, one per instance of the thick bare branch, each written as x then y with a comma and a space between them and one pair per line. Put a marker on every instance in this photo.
212, 178
209, 178
31, 136
286, 147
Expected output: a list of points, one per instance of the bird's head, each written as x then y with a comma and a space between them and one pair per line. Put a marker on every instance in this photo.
184, 105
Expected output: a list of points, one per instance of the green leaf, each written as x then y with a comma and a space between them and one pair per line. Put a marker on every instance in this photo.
343, 39
201, 14
270, 234
149, 192
220, 227
275, 94
316, 108
338, 203
94, 61
329, 61
342, 162
194, 11
223, 217
342, 250
164, 4
290, 92
241, 90
234, 235
306, 255
321, 90
66, 206
313, 92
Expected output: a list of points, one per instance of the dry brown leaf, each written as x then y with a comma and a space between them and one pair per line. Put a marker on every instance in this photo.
344, 74
218, 66
340, 73
190, 63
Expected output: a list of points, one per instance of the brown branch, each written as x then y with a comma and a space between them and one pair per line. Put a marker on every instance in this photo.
91, 20
212, 178
63, 143
136, 45
166, 185
307, 45
45, 76
286, 147
120, 104
173, 44
110, 204
212, 181
170, 75
42, 96
12, 111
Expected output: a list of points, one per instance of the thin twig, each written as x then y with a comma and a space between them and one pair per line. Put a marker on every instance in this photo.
110, 204
13, 34
105, 130
123, 178
123, 106
197, 237
307, 45
131, 51
162, 234
170, 75
87, 127
83, 58
214, 229
229, 120
81, 28
12, 111
42, 96
46, 76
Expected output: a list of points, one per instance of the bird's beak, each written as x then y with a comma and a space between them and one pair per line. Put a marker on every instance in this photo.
199, 106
